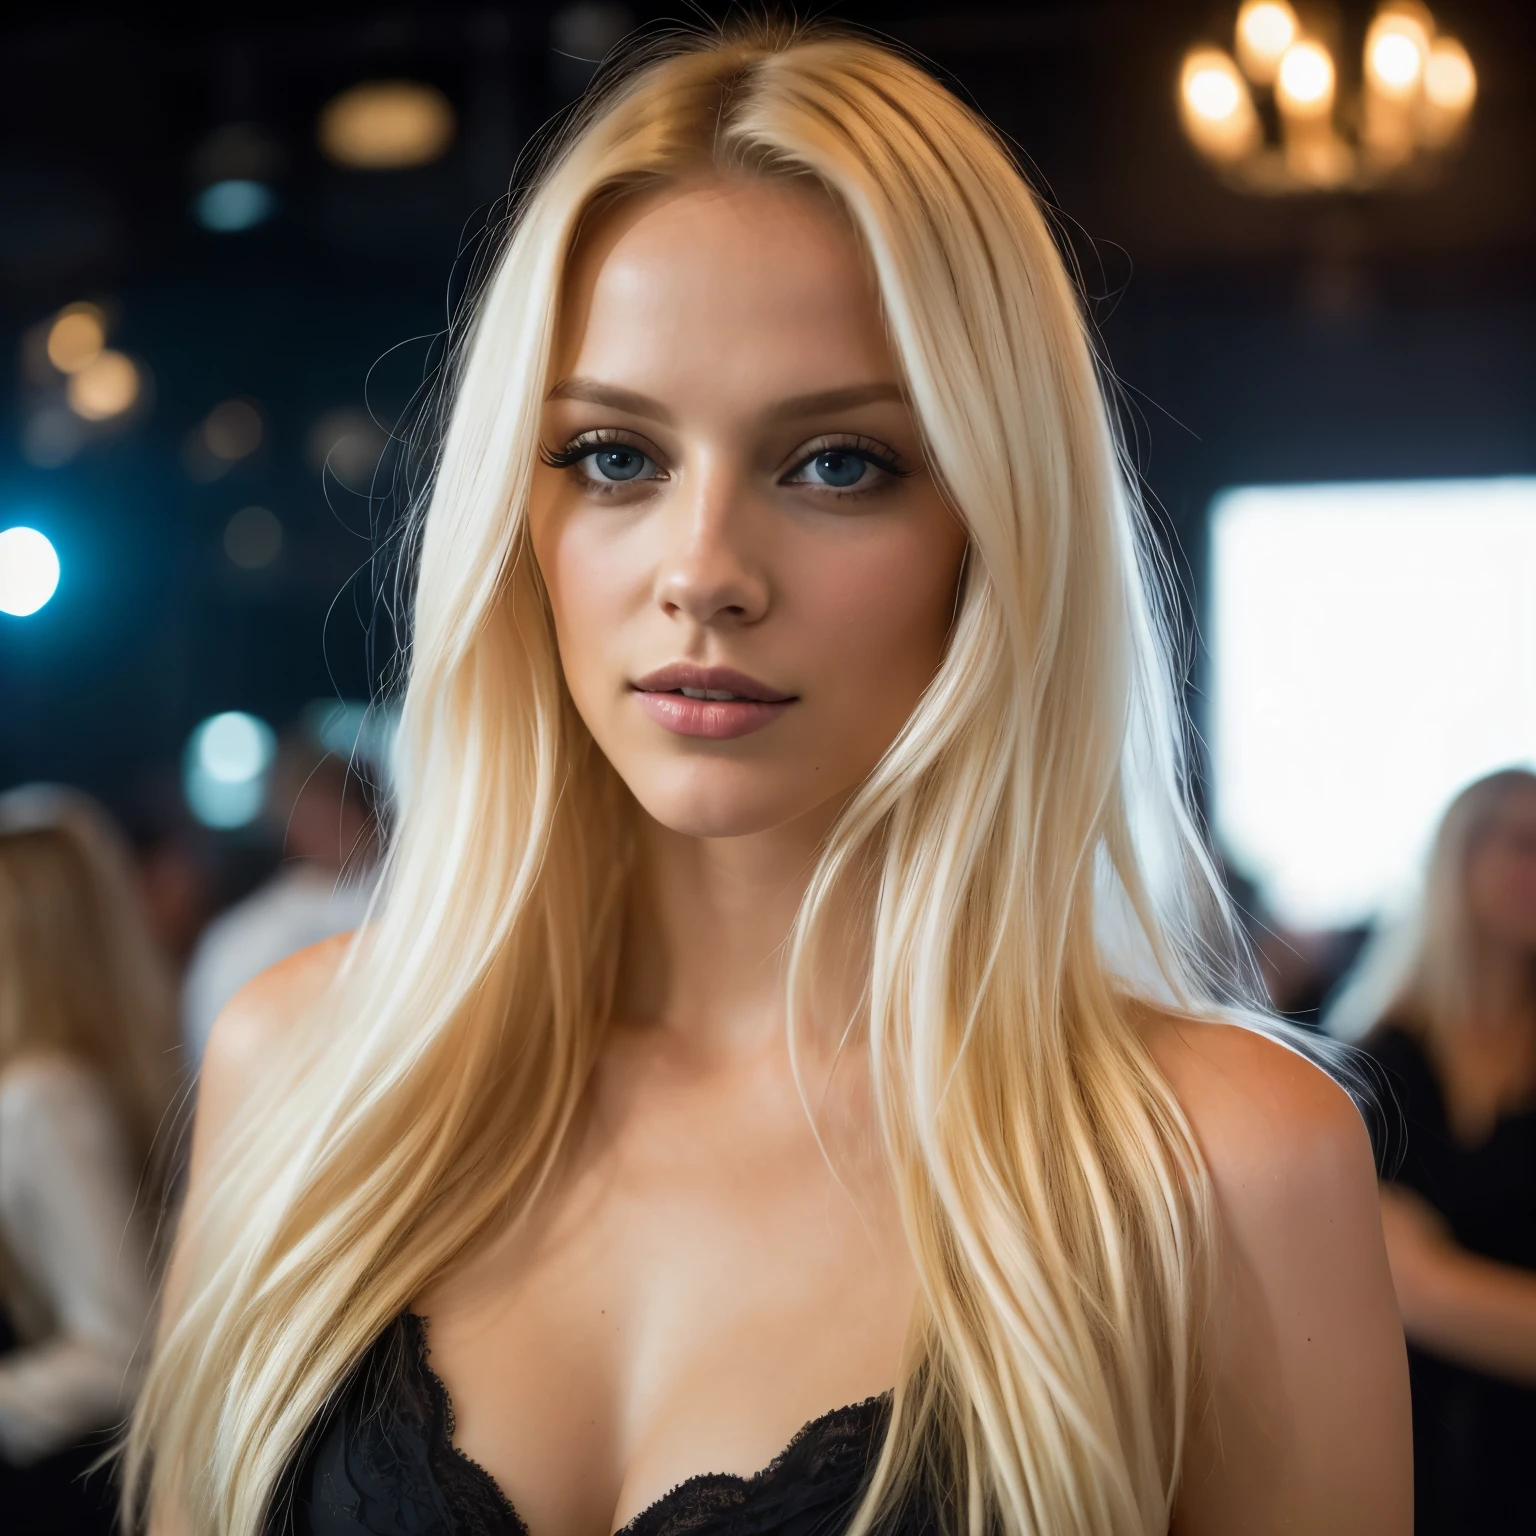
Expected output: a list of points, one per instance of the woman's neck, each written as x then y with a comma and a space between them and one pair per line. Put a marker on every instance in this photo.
707, 934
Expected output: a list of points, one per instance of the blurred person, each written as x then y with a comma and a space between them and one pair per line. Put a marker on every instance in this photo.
320, 811
176, 869
87, 1042
1457, 1040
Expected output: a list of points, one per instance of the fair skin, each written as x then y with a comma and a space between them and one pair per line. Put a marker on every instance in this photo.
1454, 1302
704, 1276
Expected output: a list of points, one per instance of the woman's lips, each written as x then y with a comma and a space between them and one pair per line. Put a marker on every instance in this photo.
715, 703
714, 719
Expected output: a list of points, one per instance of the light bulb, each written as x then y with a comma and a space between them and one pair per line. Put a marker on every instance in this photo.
1265, 29
1216, 108
1304, 86
1450, 82
1396, 48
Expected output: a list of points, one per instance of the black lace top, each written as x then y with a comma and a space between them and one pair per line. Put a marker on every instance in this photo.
384, 1464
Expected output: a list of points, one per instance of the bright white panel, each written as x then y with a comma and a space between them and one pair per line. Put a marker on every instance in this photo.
1373, 648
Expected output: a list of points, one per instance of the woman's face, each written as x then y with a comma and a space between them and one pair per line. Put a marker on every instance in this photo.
751, 571
1501, 873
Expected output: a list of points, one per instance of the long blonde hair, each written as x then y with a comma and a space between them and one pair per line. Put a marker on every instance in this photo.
79, 975
1054, 1200
1438, 986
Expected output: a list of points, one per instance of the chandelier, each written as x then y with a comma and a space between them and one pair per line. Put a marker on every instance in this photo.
1274, 119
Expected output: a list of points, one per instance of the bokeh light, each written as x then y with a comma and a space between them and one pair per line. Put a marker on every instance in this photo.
1265, 29
224, 768
1217, 108
29, 571
227, 207
233, 430
253, 538
1304, 87
347, 444
105, 387
1396, 48
76, 337
386, 125
1450, 82
51, 436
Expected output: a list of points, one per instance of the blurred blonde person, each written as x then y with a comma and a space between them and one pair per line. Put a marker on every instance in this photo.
86, 1067
1457, 1040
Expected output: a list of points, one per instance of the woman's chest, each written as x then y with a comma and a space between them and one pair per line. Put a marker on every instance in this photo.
682, 1302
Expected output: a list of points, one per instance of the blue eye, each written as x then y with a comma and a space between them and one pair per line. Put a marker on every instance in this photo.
857, 467
838, 469
615, 462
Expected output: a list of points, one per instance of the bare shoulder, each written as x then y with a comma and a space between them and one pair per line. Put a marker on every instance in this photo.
257, 1020
1268, 1120
1304, 1418
254, 1028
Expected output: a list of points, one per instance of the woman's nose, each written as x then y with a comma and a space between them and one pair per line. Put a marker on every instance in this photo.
708, 573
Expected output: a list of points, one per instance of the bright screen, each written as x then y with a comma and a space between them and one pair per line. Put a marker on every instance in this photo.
1373, 648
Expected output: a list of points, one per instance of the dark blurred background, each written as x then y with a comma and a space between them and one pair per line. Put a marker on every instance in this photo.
230, 248
282, 312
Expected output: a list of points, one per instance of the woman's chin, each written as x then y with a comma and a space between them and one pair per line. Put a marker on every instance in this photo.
720, 801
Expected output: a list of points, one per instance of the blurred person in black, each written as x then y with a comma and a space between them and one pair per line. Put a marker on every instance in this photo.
321, 811
86, 1066
1458, 1045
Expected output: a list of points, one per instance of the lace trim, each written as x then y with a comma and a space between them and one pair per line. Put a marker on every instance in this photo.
838, 1426
445, 1425
746, 1485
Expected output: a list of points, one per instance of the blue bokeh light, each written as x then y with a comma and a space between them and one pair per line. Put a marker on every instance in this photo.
224, 768
227, 207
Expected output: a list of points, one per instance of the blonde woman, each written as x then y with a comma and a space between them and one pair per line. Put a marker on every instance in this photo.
85, 1030
732, 1091
1459, 1047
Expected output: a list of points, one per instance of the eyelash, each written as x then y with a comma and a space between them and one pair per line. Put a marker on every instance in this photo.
866, 448
581, 447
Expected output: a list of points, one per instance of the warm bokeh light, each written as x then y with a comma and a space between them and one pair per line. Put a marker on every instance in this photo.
29, 571
104, 388
253, 538
1395, 51
385, 125
1212, 94
232, 430
1265, 29
1218, 112
76, 337
1450, 82
1304, 86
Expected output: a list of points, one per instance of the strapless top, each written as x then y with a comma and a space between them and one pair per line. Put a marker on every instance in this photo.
383, 1463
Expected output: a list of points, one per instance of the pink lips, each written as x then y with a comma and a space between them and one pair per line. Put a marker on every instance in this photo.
752, 706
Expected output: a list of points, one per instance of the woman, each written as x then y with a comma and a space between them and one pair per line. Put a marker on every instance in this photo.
734, 1041
1459, 1048
85, 1028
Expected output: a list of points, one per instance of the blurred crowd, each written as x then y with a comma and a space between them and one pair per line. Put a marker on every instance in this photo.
114, 964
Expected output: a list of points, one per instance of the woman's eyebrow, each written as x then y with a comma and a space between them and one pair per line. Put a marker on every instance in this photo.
834, 400
595, 392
